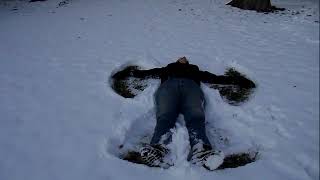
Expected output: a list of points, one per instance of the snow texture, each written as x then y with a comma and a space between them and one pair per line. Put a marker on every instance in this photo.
60, 119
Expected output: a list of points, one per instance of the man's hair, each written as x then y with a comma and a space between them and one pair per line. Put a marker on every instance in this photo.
182, 60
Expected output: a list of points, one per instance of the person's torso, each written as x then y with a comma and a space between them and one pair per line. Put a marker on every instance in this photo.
179, 70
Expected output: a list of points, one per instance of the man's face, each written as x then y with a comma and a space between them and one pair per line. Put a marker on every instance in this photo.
183, 60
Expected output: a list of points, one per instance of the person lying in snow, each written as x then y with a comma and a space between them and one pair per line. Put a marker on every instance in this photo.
180, 93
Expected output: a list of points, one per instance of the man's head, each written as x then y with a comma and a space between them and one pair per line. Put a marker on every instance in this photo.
183, 60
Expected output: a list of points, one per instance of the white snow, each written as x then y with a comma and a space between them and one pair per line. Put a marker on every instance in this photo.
60, 119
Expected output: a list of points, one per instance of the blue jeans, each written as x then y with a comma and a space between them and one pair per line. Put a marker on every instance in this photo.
175, 96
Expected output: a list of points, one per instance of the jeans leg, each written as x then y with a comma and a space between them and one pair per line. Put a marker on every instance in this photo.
167, 110
193, 111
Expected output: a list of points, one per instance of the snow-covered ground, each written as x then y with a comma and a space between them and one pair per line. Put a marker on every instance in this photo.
60, 119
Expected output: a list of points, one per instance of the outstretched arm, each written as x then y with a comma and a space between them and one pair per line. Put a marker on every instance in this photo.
134, 72
151, 73
208, 77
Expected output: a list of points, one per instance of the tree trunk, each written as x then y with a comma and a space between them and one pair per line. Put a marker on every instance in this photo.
258, 5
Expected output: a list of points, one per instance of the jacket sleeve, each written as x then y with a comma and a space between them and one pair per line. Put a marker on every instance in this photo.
208, 77
151, 73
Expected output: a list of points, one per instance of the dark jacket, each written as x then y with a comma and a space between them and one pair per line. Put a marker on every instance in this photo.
190, 71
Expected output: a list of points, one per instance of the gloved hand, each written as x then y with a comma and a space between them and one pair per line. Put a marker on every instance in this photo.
244, 82
123, 74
